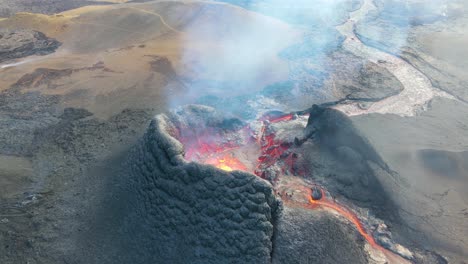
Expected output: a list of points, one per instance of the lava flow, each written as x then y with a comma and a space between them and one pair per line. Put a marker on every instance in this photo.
325, 202
276, 160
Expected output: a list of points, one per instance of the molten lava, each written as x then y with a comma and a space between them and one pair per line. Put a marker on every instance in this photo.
276, 156
226, 162
348, 214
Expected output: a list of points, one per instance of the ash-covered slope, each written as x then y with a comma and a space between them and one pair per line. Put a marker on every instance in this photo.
192, 213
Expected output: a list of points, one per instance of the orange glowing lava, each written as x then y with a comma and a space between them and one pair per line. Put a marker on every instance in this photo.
347, 214
226, 162
391, 257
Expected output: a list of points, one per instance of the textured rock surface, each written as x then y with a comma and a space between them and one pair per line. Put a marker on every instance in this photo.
18, 125
22, 43
315, 237
48, 155
192, 213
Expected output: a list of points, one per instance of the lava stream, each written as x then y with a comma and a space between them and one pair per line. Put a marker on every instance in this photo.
347, 214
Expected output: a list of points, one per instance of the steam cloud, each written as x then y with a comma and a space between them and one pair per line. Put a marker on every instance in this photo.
253, 50
248, 52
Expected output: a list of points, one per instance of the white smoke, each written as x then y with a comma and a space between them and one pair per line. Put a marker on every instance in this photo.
245, 45
9, 65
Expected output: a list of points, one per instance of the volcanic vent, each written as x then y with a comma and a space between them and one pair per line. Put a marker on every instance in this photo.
188, 212
208, 190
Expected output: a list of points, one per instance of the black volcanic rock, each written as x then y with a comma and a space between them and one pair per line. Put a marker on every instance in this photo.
316, 237
316, 193
22, 43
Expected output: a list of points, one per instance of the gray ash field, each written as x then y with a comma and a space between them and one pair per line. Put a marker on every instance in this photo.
233, 131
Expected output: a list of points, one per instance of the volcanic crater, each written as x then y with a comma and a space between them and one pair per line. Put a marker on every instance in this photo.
219, 188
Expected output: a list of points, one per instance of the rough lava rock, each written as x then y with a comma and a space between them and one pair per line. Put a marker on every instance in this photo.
306, 236
22, 43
